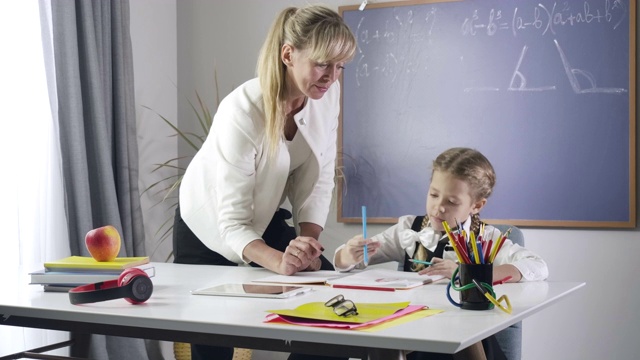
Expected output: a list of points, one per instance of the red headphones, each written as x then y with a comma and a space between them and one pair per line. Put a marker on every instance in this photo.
134, 285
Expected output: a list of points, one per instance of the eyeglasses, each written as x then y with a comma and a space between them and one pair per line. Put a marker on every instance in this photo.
341, 306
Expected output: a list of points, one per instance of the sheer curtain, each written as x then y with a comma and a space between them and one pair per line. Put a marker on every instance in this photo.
32, 218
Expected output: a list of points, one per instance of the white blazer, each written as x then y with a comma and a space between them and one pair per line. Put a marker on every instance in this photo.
232, 188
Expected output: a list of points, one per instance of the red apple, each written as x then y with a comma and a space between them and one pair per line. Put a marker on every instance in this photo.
103, 243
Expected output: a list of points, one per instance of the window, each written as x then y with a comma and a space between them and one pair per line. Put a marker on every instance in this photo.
32, 215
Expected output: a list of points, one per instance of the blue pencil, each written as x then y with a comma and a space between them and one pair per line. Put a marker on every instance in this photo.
421, 262
364, 234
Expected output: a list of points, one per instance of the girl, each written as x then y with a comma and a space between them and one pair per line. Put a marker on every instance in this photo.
461, 181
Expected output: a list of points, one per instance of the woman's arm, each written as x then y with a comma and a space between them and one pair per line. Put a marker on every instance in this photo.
301, 254
310, 229
269, 258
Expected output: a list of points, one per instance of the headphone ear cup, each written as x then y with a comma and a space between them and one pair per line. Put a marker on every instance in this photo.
139, 283
126, 276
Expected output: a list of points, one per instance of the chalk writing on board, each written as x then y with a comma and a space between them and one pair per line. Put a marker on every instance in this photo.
519, 81
573, 75
541, 87
546, 19
403, 26
389, 67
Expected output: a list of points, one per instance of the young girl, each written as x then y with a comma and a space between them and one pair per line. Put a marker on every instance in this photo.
461, 181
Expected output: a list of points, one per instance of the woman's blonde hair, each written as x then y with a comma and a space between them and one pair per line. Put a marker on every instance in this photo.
315, 27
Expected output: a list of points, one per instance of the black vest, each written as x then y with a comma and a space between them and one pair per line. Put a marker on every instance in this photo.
417, 226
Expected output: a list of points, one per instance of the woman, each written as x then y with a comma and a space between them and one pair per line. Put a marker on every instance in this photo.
273, 138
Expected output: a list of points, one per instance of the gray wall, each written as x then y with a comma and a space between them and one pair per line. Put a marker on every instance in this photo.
153, 35
597, 322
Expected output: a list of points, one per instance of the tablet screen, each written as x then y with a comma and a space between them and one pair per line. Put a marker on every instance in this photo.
253, 290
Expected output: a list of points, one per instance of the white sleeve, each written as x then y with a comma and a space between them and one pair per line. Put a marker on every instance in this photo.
531, 266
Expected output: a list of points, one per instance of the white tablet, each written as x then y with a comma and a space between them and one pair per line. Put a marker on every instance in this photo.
253, 290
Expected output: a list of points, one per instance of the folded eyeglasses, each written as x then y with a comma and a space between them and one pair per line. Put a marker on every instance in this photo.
342, 307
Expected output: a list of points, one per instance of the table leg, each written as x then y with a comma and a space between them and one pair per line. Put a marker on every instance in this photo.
80, 348
386, 354
473, 352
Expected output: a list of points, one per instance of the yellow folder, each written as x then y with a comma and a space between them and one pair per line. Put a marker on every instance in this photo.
366, 312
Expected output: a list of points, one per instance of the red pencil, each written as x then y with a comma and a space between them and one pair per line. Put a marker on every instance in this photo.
502, 281
359, 287
487, 251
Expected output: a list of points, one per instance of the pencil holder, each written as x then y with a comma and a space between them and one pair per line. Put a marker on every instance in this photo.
472, 298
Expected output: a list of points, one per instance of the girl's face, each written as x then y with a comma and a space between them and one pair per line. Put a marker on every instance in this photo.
307, 78
449, 199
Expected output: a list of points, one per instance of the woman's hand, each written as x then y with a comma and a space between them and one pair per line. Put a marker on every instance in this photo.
303, 253
440, 267
353, 251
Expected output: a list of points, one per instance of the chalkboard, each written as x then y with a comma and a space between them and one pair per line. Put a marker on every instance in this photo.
546, 90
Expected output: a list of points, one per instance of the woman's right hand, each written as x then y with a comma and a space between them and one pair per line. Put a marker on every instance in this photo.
301, 253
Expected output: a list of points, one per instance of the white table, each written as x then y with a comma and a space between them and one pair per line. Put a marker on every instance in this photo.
173, 314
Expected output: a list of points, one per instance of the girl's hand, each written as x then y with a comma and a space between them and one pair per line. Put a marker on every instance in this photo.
353, 251
440, 267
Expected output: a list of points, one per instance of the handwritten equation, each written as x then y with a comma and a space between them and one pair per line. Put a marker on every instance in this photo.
406, 43
545, 19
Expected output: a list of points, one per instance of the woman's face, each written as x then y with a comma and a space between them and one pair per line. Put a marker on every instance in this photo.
449, 199
306, 77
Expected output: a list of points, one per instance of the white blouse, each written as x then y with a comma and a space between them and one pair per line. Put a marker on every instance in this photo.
397, 241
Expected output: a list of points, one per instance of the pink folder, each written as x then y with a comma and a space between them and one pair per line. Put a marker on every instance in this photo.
276, 318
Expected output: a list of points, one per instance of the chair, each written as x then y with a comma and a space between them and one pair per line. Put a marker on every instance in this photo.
510, 339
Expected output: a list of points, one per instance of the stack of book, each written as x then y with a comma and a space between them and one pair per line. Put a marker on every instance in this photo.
67, 273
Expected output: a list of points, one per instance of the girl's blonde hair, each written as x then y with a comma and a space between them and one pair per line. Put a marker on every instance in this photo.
470, 166
315, 27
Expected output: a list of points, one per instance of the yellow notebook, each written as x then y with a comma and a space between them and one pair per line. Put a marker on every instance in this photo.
80, 263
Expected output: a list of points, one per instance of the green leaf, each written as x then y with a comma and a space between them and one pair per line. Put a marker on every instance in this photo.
167, 187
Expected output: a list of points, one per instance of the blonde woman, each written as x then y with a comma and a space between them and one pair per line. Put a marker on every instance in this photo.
273, 138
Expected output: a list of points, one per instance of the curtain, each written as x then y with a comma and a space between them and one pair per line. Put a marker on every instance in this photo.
94, 68
32, 216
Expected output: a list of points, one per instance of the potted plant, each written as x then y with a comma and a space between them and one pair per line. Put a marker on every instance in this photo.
167, 188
